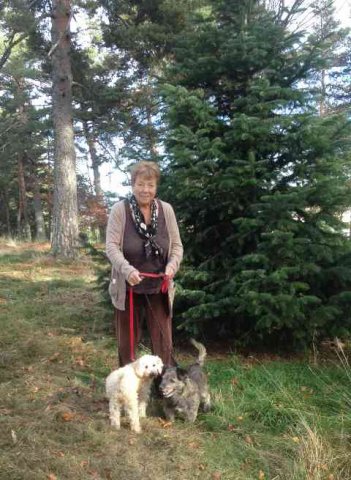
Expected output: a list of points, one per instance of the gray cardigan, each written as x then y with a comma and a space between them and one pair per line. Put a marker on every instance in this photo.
121, 268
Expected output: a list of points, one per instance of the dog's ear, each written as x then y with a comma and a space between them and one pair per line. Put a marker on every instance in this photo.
181, 373
138, 367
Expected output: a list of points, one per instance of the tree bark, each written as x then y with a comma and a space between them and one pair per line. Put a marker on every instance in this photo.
6, 211
95, 163
23, 226
65, 211
40, 234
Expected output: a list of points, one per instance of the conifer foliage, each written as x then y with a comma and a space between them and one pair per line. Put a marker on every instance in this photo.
263, 180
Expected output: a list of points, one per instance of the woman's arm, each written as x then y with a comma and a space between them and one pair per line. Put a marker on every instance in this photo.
114, 239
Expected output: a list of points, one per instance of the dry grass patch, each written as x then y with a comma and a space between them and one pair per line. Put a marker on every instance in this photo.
55, 355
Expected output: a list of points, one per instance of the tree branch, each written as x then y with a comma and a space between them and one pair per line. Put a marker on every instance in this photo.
12, 43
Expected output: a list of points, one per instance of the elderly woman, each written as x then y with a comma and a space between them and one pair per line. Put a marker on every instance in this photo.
143, 237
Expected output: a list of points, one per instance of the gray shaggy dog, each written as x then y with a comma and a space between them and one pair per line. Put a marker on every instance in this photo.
184, 390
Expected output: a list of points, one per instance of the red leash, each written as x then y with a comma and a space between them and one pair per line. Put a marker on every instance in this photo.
164, 289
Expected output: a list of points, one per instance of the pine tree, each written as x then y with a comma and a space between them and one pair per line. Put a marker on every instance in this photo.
22, 125
258, 180
21, 134
141, 36
65, 213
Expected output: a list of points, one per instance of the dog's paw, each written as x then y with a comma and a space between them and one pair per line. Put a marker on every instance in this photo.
170, 417
191, 417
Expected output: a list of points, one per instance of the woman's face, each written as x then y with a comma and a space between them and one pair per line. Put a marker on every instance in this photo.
144, 190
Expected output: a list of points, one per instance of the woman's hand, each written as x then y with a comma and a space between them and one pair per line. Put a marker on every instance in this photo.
169, 271
134, 278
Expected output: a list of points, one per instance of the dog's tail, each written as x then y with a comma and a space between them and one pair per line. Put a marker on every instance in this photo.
202, 351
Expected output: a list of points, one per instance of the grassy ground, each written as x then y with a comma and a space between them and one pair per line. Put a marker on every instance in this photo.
272, 419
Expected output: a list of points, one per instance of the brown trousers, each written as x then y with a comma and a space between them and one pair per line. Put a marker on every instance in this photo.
159, 323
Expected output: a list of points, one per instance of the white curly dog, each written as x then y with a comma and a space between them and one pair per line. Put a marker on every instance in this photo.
128, 388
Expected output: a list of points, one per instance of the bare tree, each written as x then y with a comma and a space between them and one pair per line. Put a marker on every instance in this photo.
65, 210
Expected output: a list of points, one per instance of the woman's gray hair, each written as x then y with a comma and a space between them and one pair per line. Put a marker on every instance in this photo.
145, 169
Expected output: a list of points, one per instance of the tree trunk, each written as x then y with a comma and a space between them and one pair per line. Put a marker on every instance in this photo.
151, 134
322, 105
23, 226
40, 234
95, 164
6, 211
65, 211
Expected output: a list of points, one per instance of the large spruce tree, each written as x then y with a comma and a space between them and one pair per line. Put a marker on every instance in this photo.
258, 179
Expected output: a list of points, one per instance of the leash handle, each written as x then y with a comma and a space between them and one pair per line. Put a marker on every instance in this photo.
165, 281
164, 289
131, 324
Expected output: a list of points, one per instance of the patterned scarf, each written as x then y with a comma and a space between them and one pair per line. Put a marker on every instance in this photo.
146, 232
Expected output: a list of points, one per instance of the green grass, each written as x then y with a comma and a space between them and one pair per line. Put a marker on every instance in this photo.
271, 419
286, 419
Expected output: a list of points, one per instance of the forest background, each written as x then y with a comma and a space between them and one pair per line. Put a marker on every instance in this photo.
245, 106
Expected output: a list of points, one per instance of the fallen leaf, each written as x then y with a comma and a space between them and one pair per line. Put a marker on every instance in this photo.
54, 357
59, 454
68, 416
248, 439
167, 424
84, 463
261, 475
108, 474
216, 476
231, 427
194, 444
79, 361
202, 467
164, 423
51, 476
